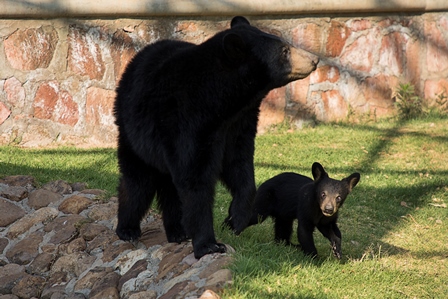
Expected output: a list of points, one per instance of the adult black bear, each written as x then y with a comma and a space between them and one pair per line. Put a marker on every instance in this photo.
289, 196
187, 116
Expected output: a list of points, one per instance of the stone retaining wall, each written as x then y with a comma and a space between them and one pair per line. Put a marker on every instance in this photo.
57, 76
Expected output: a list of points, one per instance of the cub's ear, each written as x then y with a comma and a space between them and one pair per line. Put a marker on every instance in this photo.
238, 20
352, 180
318, 171
234, 47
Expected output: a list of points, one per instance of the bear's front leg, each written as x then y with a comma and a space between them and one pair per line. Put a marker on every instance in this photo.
306, 240
196, 196
238, 171
332, 233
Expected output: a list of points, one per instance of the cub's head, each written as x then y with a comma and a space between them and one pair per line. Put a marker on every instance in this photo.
274, 60
331, 193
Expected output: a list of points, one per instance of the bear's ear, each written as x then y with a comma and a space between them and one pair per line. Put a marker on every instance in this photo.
352, 180
234, 47
318, 171
238, 20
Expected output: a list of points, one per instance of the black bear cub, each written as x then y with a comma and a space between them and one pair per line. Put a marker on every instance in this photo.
289, 196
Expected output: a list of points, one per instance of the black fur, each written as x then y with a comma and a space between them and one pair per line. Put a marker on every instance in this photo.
187, 116
289, 196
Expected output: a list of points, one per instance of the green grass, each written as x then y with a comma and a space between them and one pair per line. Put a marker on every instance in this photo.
394, 224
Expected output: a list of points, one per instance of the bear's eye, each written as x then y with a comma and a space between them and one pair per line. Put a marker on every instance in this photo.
285, 52
338, 199
323, 195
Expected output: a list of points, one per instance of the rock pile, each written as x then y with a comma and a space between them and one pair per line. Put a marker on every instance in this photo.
58, 241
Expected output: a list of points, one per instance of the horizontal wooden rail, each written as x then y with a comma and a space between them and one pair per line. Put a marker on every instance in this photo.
142, 8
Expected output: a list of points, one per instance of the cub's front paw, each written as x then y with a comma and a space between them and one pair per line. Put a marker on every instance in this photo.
337, 252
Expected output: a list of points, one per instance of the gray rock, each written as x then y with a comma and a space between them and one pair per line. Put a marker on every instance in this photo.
41, 264
150, 294
135, 270
55, 285
75, 204
29, 287
3, 243
9, 213
24, 224
73, 264
106, 211
10, 274
87, 281
78, 186
59, 186
14, 193
19, 180
106, 287
90, 230
41, 198
26, 250
65, 228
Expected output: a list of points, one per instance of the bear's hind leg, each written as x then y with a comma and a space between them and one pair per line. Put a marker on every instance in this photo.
171, 207
133, 202
283, 230
136, 192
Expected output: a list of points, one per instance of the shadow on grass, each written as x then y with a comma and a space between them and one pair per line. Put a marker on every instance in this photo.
92, 166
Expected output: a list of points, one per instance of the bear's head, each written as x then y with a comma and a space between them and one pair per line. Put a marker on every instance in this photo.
332, 193
274, 60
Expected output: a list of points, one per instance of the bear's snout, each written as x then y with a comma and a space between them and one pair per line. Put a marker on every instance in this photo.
328, 210
302, 63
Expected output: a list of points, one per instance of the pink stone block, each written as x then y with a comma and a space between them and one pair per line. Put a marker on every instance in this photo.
15, 93
272, 109
437, 49
359, 24
299, 90
337, 35
433, 88
334, 104
122, 51
99, 107
308, 36
392, 56
4, 113
412, 72
379, 91
54, 104
32, 48
84, 52
325, 73
361, 53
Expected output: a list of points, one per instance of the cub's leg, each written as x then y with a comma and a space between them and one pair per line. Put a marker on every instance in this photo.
283, 230
306, 240
332, 233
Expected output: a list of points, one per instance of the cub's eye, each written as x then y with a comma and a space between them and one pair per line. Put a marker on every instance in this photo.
338, 199
285, 52
323, 195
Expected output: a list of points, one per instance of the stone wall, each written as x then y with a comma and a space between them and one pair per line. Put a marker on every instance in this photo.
57, 76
